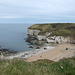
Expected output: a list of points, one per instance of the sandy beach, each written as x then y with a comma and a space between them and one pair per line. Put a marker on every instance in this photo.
51, 53
28, 53
55, 54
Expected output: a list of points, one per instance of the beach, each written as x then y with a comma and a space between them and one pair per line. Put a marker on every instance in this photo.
30, 53
55, 54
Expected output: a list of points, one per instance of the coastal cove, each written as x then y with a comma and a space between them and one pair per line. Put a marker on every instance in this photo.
37, 37
12, 37
13, 41
37, 40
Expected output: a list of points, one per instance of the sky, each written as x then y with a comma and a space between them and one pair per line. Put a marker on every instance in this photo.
37, 11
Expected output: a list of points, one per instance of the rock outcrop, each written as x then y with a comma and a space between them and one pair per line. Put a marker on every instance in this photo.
49, 33
34, 38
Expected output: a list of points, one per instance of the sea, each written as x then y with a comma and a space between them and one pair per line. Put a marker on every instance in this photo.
13, 37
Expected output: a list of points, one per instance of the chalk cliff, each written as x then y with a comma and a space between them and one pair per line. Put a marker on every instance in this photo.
51, 33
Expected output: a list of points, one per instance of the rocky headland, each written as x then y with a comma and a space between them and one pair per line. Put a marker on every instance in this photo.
46, 35
51, 33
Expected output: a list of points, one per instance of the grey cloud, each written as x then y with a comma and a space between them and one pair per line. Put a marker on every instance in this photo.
38, 9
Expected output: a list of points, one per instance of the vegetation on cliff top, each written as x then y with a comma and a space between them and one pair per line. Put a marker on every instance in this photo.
40, 67
62, 29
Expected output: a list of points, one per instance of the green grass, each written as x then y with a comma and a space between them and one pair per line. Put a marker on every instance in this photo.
40, 67
59, 29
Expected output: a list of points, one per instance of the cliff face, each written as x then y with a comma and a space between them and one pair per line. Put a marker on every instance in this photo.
33, 32
51, 33
34, 38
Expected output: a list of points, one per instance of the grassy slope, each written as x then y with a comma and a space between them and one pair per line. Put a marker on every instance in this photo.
63, 29
40, 67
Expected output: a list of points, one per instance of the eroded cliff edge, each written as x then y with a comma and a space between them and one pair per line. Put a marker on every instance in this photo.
51, 33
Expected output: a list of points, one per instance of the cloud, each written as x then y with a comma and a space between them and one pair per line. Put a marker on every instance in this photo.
38, 9
11, 16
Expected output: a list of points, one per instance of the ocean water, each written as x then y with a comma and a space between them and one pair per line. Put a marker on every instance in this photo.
12, 37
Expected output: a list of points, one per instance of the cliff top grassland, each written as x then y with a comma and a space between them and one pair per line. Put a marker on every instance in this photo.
62, 29
40, 67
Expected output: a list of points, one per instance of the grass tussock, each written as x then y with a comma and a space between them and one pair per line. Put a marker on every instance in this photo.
40, 67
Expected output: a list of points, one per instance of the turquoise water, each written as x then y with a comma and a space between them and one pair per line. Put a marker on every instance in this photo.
12, 36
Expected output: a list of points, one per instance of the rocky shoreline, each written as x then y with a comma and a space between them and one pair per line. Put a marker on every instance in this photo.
7, 52
11, 54
27, 54
34, 41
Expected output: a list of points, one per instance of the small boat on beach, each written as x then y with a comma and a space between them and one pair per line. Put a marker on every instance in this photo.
45, 48
31, 47
37, 47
